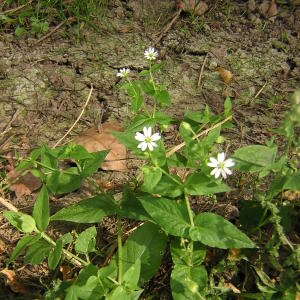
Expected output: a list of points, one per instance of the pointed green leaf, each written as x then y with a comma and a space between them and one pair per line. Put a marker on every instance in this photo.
41, 209
214, 231
88, 210
22, 244
188, 282
200, 184
147, 244
55, 255
21, 221
172, 216
37, 252
152, 176
86, 241
90, 166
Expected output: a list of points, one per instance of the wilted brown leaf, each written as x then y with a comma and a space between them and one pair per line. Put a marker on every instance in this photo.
2, 246
94, 141
193, 6
12, 281
67, 272
24, 185
105, 185
225, 74
268, 8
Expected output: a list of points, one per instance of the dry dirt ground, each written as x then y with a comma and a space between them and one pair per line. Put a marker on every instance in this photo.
44, 86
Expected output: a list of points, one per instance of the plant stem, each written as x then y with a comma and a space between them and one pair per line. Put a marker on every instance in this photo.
172, 178
187, 203
69, 254
120, 250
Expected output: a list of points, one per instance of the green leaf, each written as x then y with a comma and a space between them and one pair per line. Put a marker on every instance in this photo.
37, 252
90, 210
163, 97
49, 157
152, 175
41, 209
172, 216
64, 182
134, 93
154, 68
200, 184
214, 231
87, 285
132, 275
22, 244
131, 206
76, 152
182, 252
147, 245
90, 166
168, 187
227, 107
188, 282
21, 221
139, 122
147, 87
251, 214
86, 241
55, 255
254, 158
121, 292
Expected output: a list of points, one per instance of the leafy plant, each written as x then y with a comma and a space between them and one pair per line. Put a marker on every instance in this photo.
159, 201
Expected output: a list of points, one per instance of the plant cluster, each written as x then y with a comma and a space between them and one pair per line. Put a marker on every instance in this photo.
159, 200
36, 16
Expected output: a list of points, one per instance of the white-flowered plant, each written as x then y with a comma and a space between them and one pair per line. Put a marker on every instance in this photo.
151, 53
220, 165
123, 72
147, 139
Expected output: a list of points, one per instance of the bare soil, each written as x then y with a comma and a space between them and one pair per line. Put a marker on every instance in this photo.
44, 86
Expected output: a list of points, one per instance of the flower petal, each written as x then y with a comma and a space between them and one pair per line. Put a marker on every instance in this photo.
153, 144
140, 137
145, 130
224, 175
155, 137
229, 163
217, 174
212, 165
143, 146
214, 161
221, 157
228, 171
213, 172
150, 146
149, 132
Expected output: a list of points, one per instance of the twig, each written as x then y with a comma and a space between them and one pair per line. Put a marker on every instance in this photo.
206, 131
80, 115
259, 92
7, 204
8, 126
202, 69
16, 9
167, 28
52, 31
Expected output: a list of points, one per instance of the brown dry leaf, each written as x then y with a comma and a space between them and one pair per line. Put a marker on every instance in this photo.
268, 8
94, 141
225, 74
291, 196
105, 185
25, 185
234, 254
67, 272
192, 6
2, 246
232, 287
12, 281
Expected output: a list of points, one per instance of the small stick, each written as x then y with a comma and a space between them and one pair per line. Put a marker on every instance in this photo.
16, 9
259, 92
52, 31
202, 70
8, 205
206, 131
167, 28
8, 126
80, 115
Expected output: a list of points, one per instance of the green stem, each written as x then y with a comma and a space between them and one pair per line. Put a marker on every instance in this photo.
188, 206
66, 252
120, 250
168, 175
154, 87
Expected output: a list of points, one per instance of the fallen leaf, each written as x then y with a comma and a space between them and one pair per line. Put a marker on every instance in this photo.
268, 8
24, 185
12, 281
105, 185
232, 287
225, 74
66, 272
193, 6
2, 246
94, 141
291, 196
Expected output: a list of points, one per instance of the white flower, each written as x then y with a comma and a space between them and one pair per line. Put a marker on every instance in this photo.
147, 139
151, 53
220, 165
123, 72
